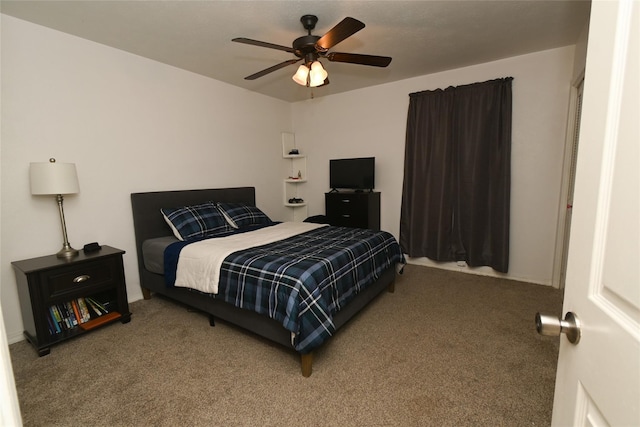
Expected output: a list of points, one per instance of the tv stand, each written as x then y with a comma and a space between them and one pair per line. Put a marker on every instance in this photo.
353, 209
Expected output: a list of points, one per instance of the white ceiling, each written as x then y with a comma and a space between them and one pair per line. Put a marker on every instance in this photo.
422, 37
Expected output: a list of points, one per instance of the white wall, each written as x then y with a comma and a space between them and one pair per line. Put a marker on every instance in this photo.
129, 124
372, 122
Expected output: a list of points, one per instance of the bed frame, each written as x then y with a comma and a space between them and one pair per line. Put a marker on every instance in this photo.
149, 223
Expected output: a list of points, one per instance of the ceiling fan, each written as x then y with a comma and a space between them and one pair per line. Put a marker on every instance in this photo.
311, 48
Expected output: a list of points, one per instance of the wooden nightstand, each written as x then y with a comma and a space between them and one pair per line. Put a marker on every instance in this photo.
53, 291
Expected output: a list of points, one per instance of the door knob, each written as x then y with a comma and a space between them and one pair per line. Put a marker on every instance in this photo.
552, 326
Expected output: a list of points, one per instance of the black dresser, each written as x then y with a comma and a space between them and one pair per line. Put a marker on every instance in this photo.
353, 209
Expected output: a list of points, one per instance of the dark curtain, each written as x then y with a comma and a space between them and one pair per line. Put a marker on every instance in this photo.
457, 176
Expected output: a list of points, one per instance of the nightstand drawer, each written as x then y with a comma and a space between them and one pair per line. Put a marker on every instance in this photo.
63, 281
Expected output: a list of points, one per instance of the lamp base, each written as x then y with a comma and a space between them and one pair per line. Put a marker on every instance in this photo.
67, 252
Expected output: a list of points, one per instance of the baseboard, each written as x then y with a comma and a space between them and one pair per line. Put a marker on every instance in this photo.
464, 268
15, 337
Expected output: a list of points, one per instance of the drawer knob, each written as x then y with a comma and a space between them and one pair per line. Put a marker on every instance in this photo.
82, 278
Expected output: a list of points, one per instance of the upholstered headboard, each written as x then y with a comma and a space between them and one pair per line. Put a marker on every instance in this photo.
149, 223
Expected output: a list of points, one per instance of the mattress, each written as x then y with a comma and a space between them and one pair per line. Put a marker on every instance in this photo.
153, 253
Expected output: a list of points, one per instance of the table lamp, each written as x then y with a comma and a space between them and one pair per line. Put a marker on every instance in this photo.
53, 178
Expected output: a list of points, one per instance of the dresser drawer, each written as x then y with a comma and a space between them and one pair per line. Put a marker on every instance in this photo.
348, 211
348, 204
62, 282
348, 220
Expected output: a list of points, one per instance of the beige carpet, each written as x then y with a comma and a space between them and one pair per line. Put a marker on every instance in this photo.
446, 349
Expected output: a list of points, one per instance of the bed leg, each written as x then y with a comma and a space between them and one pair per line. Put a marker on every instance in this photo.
146, 293
392, 287
212, 320
306, 362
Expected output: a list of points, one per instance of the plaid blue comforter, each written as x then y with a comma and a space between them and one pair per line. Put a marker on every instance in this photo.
304, 280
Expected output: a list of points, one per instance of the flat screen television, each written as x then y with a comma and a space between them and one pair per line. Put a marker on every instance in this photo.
352, 174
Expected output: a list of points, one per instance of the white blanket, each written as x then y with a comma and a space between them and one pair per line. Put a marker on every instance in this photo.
199, 263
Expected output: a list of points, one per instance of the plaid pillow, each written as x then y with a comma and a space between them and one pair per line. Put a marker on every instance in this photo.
189, 222
240, 215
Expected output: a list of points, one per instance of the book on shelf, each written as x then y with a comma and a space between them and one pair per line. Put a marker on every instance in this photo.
52, 329
73, 321
53, 322
86, 313
86, 316
100, 308
57, 318
65, 315
76, 311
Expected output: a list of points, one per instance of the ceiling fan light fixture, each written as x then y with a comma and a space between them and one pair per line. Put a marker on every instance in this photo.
317, 75
310, 47
301, 75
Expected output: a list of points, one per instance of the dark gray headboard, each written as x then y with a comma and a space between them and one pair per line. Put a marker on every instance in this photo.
149, 223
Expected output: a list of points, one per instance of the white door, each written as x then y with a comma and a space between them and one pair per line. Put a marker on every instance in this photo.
598, 379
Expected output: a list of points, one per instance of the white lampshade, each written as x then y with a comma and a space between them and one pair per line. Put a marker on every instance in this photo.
301, 75
53, 178
317, 75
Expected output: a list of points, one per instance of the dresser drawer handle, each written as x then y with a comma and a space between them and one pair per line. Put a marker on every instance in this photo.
346, 201
82, 278
346, 216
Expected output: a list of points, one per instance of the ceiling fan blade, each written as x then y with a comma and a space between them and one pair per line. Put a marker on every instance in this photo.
355, 58
345, 28
263, 44
272, 69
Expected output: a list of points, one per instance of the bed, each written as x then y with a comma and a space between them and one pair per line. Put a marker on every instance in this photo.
150, 228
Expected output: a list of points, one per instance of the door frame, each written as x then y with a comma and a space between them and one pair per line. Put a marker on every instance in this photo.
568, 180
